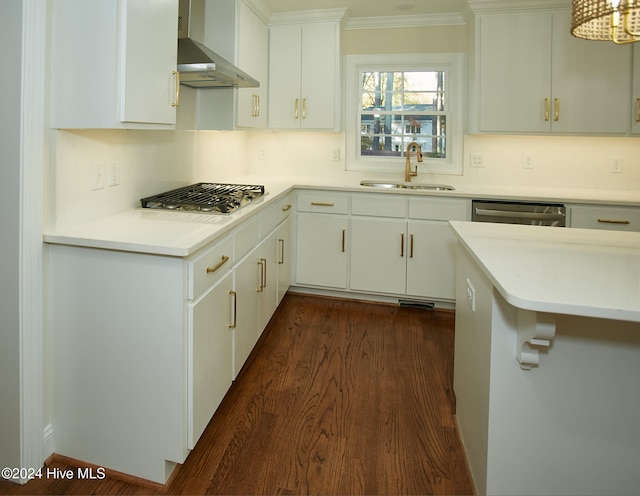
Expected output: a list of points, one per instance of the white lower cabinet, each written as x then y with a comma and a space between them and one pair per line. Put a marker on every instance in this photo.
285, 257
321, 239
144, 347
378, 255
209, 348
396, 245
610, 217
246, 315
322, 255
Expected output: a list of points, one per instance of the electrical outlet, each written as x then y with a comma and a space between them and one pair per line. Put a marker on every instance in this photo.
114, 174
335, 154
615, 166
96, 180
528, 161
262, 153
476, 160
471, 296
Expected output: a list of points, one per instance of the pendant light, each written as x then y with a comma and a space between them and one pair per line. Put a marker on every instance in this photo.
608, 20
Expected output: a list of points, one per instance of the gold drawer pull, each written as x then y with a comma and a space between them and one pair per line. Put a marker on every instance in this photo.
235, 309
295, 110
322, 204
344, 232
613, 221
286, 207
410, 245
176, 76
402, 244
218, 265
637, 109
546, 110
556, 116
281, 261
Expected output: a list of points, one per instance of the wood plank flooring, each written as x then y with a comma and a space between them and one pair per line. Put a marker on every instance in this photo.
339, 398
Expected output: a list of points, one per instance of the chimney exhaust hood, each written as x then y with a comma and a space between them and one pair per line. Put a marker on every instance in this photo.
199, 66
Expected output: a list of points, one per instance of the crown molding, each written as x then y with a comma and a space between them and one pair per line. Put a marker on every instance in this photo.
403, 21
307, 16
498, 6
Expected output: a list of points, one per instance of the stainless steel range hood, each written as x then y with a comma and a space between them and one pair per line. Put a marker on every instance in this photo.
199, 66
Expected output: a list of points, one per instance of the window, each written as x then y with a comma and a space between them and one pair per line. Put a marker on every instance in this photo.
393, 100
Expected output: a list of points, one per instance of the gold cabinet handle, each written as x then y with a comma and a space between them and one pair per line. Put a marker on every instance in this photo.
410, 245
264, 271
234, 295
263, 274
402, 244
222, 261
281, 242
614, 221
286, 207
176, 77
295, 110
637, 109
547, 110
344, 233
304, 108
556, 114
322, 204
256, 105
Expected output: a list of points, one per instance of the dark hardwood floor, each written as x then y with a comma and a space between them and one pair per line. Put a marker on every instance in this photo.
339, 398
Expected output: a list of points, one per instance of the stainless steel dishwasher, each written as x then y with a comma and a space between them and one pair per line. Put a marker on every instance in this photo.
510, 212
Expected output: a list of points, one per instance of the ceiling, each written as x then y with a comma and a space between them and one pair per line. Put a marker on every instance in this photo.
372, 8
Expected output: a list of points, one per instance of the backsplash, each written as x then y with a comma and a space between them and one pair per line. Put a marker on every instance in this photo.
150, 162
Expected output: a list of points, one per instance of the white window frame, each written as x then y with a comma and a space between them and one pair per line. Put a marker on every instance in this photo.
451, 63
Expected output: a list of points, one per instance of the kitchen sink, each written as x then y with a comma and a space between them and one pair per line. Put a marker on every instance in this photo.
388, 185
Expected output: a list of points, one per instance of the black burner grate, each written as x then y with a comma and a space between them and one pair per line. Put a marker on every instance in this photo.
205, 197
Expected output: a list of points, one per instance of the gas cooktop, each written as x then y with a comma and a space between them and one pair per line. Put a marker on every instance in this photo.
211, 198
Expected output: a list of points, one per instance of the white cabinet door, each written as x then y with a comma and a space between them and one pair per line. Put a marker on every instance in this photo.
268, 287
253, 58
246, 286
148, 82
113, 63
285, 73
514, 72
378, 254
285, 257
303, 70
210, 352
591, 83
635, 94
544, 80
322, 250
432, 260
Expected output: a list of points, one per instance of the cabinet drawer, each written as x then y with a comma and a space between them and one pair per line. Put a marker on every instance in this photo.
246, 237
323, 201
379, 205
613, 218
207, 268
439, 209
285, 207
269, 219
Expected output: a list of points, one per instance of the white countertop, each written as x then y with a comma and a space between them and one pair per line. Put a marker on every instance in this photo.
182, 234
584, 272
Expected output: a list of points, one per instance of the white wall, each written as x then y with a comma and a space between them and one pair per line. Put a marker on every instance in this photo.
559, 162
10, 144
149, 162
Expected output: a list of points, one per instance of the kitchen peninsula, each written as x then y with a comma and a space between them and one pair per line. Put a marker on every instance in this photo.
547, 358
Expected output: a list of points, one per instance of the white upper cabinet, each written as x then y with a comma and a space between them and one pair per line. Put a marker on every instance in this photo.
304, 72
253, 58
237, 31
635, 94
534, 77
113, 64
